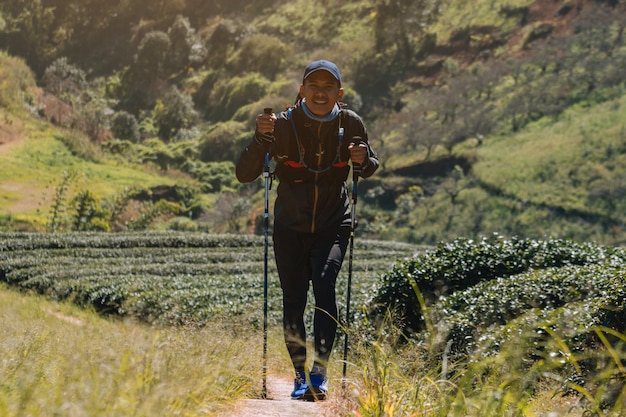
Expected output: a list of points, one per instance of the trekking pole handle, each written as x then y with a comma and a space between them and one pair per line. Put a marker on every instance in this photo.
356, 168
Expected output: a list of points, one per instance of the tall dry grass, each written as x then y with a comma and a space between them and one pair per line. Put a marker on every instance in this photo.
57, 360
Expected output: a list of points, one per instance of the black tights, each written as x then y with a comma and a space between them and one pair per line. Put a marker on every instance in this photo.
302, 258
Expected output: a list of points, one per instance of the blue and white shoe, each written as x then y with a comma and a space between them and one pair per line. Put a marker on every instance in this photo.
299, 386
318, 391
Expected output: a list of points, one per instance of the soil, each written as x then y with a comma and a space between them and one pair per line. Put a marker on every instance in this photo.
11, 131
279, 403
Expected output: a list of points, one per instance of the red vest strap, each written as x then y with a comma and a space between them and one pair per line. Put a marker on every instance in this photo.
293, 164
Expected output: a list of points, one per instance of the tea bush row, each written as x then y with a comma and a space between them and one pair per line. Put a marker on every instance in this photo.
472, 317
464, 263
169, 277
170, 239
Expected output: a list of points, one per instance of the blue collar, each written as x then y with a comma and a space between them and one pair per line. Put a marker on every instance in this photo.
330, 116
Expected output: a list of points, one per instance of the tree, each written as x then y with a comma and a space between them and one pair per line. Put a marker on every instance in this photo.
260, 53
185, 46
29, 32
220, 42
152, 53
64, 80
400, 25
124, 126
67, 83
144, 80
175, 111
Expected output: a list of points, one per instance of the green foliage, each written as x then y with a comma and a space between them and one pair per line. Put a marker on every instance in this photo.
88, 214
434, 81
174, 113
230, 94
152, 52
16, 82
57, 216
464, 263
157, 152
150, 212
512, 309
134, 208
24, 28
215, 176
260, 53
124, 126
480, 319
185, 46
221, 41
169, 277
223, 141
64, 80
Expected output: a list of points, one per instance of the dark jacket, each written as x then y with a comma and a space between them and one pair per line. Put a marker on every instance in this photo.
312, 190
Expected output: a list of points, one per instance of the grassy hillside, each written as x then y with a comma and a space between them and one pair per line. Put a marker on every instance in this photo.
559, 178
495, 116
36, 164
45, 166
569, 173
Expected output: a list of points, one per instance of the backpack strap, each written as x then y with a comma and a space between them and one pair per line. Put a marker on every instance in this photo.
336, 162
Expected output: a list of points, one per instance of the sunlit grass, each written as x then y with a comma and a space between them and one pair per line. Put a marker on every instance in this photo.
556, 163
38, 162
460, 14
58, 360
418, 379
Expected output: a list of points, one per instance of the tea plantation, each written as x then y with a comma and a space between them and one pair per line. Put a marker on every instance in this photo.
171, 278
472, 294
558, 305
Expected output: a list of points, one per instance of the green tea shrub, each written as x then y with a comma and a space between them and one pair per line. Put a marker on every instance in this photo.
475, 318
465, 263
168, 277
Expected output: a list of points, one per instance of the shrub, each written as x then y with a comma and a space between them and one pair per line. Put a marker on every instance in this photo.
228, 95
16, 79
174, 112
260, 53
125, 127
223, 142
464, 263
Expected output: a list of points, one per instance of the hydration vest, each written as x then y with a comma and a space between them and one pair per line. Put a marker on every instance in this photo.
292, 160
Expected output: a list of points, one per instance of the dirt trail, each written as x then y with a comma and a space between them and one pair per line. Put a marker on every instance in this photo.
279, 403
11, 131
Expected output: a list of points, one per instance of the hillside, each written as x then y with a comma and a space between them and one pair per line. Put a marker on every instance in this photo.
502, 116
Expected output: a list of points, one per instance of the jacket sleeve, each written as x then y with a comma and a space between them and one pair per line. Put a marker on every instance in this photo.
251, 161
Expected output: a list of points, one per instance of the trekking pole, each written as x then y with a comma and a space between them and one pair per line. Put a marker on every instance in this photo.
266, 217
356, 170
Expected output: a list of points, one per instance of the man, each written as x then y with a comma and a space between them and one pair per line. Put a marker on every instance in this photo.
312, 143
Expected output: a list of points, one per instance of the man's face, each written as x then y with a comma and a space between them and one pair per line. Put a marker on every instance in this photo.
321, 91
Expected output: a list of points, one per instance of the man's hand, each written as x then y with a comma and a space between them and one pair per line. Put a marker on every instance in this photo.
265, 127
358, 153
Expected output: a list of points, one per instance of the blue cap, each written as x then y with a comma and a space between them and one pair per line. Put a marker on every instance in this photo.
323, 65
